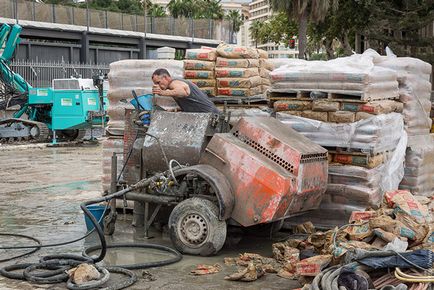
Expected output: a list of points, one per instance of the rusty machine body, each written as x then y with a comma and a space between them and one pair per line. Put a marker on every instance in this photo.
209, 175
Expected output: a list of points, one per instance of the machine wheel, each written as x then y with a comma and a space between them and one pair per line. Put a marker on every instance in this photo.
195, 229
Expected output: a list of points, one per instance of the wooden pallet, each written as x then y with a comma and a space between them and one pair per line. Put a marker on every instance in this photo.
355, 96
239, 100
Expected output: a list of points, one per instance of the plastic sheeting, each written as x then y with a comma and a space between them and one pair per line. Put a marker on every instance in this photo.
356, 73
377, 134
414, 90
419, 166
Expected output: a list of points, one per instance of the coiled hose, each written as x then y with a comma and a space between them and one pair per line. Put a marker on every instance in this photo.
54, 266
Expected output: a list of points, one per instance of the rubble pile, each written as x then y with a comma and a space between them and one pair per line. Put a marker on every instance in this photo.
199, 65
125, 76
237, 71
370, 245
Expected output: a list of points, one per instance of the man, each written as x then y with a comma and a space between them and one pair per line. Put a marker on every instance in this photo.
187, 95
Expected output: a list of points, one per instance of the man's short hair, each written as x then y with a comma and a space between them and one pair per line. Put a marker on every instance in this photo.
161, 72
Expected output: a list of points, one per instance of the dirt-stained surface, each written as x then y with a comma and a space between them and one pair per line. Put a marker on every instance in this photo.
41, 189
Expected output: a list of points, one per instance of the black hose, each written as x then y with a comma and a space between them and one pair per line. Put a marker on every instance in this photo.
36, 247
177, 256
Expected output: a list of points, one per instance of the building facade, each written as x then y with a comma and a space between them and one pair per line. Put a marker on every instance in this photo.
260, 10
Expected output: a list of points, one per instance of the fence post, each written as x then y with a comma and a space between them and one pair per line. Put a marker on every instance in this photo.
33, 10
87, 15
15, 10
122, 21
53, 11
73, 15
106, 19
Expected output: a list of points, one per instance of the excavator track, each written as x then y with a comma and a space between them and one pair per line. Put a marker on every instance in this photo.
15, 130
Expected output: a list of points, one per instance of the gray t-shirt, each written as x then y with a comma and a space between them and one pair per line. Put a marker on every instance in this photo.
197, 101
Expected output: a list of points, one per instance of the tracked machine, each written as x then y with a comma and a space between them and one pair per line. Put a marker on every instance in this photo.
199, 176
61, 112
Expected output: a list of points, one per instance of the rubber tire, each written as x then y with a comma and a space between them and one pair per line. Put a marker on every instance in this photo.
209, 211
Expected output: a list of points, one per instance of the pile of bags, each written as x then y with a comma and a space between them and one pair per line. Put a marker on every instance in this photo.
125, 76
356, 75
199, 67
237, 71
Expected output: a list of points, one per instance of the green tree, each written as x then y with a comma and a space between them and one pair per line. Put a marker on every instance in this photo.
211, 9
279, 29
255, 31
302, 11
234, 17
156, 11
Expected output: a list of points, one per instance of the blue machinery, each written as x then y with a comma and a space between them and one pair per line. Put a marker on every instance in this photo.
60, 112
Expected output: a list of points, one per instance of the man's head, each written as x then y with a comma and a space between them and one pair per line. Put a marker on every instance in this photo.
162, 78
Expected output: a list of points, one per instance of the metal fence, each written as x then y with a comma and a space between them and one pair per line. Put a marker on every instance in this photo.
31, 10
40, 74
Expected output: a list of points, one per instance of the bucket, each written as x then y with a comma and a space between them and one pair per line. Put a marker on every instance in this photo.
145, 102
97, 211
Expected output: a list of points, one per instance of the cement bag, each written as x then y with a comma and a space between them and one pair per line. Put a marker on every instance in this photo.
262, 53
266, 82
377, 134
191, 64
210, 91
318, 116
341, 117
234, 51
292, 105
405, 65
264, 73
355, 175
325, 106
239, 82
374, 107
203, 82
236, 72
108, 147
239, 63
419, 166
198, 74
239, 92
266, 64
355, 195
275, 63
200, 54
137, 73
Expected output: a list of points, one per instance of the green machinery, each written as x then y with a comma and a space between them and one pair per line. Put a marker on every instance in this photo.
61, 112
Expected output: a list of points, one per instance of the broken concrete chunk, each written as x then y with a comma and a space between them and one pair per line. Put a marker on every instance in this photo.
203, 269
83, 273
251, 273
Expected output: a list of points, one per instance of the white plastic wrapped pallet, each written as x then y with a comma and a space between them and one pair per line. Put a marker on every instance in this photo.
414, 90
419, 166
377, 134
351, 75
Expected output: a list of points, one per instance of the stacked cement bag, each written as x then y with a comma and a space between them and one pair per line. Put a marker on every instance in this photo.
432, 112
199, 67
237, 71
419, 166
125, 76
353, 75
414, 91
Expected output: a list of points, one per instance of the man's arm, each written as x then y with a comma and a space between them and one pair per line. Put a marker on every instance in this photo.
176, 89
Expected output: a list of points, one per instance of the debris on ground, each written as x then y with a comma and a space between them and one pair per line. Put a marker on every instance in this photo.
203, 269
250, 273
396, 238
148, 276
83, 273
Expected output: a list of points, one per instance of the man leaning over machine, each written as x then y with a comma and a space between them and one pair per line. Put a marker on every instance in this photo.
187, 95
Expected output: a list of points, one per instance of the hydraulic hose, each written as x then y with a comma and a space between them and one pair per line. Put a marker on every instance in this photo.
58, 264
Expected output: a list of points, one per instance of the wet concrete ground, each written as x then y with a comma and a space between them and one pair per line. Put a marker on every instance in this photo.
41, 189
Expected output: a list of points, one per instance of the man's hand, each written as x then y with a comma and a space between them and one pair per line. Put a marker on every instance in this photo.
157, 90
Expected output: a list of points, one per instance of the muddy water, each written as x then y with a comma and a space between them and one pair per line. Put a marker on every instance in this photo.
40, 192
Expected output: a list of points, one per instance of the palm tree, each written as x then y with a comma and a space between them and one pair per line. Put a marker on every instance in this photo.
184, 8
302, 11
255, 31
234, 17
156, 10
211, 9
